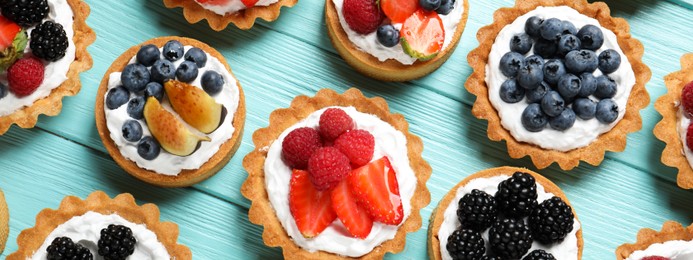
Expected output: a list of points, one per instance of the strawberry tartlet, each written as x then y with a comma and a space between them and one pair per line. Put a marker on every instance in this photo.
220, 13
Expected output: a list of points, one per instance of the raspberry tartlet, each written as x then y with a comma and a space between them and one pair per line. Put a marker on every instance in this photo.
507, 213
4, 221
336, 176
673, 242
673, 129
220, 13
42, 51
395, 40
103, 228
561, 81
170, 111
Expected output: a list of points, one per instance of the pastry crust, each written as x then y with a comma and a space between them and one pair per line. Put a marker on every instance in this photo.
124, 205
4, 221
614, 140
670, 231
261, 211
666, 130
52, 104
185, 177
438, 214
243, 19
390, 70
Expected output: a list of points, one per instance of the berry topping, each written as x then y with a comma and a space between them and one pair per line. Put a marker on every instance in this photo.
510, 92
248, 3
545, 48
517, 196
64, 248
212, 82
116, 242
26, 13
564, 120
588, 84
13, 41
357, 145
388, 35
430, 5
533, 118
591, 37
568, 43
654, 258
605, 87
553, 71
609, 61
49, 41
569, 86
689, 137
552, 104
510, 64
510, 238
328, 166
117, 97
376, 189
311, 209
551, 29
423, 35
148, 148
539, 255
187, 71
132, 131
477, 210
607, 111
353, 216
3, 90
569, 28
299, 145
466, 244
196, 55
362, 16
136, 107
521, 43
530, 74
163, 70
25, 76
173, 50
399, 10
577, 62
537, 94
135, 77
488, 257
333, 123
687, 98
446, 7
532, 26
148, 54
154, 89
551, 221
585, 108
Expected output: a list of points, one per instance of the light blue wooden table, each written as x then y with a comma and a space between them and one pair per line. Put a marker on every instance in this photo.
276, 62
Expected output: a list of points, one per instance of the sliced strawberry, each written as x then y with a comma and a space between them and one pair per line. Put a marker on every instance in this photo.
376, 189
8, 30
354, 217
213, 2
423, 35
311, 209
399, 10
249, 3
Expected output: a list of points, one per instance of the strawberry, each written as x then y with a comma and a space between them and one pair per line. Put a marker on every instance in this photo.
376, 189
249, 3
399, 10
423, 35
311, 209
353, 216
213, 2
8, 30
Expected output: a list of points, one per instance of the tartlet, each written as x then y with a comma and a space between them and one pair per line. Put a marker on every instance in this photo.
4, 222
593, 153
262, 212
185, 177
51, 105
123, 205
666, 130
646, 237
243, 19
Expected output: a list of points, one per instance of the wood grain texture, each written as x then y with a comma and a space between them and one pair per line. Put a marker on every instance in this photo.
292, 56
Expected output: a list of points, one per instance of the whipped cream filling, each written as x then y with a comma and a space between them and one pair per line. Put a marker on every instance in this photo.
86, 230
232, 6
583, 132
674, 250
55, 73
564, 250
167, 163
335, 239
368, 43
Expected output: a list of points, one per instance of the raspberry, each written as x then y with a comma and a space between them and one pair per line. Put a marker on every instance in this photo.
687, 98
654, 258
362, 16
358, 145
689, 136
25, 76
333, 123
328, 166
299, 145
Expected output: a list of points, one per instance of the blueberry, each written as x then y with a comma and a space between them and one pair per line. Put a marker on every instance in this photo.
521, 43
136, 107
116, 97
588, 84
545, 48
212, 82
510, 92
568, 43
585, 108
569, 86
577, 62
429, 5
132, 131
148, 54
591, 37
606, 87
187, 71
607, 111
196, 55
163, 70
148, 148
552, 104
388, 35
609, 61
530, 76
535, 61
446, 7
551, 29
135, 77
553, 71
563, 121
533, 119
173, 50
535, 95
4, 91
532, 26
510, 64
155, 90
569, 28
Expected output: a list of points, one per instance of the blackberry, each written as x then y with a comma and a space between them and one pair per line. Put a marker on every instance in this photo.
48, 41
25, 13
488, 257
510, 238
539, 255
64, 248
466, 244
477, 210
551, 221
116, 242
517, 196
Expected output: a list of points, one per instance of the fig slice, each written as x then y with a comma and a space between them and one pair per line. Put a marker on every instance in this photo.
173, 136
195, 106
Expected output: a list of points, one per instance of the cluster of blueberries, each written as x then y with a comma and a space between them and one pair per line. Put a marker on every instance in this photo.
558, 79
388, 35
145, 78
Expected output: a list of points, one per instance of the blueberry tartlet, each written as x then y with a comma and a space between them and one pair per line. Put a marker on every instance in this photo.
43, 48
220, 13
560, 81
4, 222
100, 228
673, 242
170, 111
505, 213
336, 176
